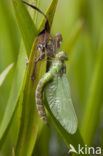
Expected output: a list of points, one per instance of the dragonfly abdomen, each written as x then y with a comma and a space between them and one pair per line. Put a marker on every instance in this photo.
39, 101
39, 95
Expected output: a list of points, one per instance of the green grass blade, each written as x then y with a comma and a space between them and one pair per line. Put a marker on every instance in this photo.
73, 37
25, 23
14, 93
9, 45
28, 34
94, 103
30, 120
50, 14
9, 140
4, 73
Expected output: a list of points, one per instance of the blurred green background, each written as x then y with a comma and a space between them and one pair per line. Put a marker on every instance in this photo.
84, 46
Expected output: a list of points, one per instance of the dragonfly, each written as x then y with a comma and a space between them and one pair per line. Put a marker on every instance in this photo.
57, 66
57, 92
48, 46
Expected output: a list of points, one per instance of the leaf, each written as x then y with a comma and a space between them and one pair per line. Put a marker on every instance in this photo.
94, 102
28, 31
60, 103
5, 73
49, 13
30, 120
9, 140
73, 37
14, 93
9, 45
27, 28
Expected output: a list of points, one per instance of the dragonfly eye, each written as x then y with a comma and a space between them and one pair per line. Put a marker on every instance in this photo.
62, 56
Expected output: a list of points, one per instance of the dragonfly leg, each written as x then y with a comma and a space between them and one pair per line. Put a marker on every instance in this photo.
42, 55
41, 47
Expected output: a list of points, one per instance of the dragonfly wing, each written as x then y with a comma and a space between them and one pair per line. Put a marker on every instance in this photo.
60, 103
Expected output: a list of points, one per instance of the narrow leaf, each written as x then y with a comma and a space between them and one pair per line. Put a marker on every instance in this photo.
94, 103
27, 28
30, 120
49, 13
14, 93
5, 73
73, 37
28, 32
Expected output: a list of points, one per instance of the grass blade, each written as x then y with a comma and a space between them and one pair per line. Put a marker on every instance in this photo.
74, 36
94, 103
27, 28
50, 14
30, 120
14, 93
21, 13
5, 73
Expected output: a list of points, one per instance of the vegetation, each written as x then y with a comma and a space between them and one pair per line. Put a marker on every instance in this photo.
22, 133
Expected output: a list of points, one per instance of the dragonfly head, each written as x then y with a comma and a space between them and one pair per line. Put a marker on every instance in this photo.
62, 56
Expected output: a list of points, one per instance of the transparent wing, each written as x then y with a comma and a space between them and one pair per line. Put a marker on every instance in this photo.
60, 103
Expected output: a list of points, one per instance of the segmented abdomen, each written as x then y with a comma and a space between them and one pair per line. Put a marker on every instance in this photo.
39, 90
39, 95
39, 101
